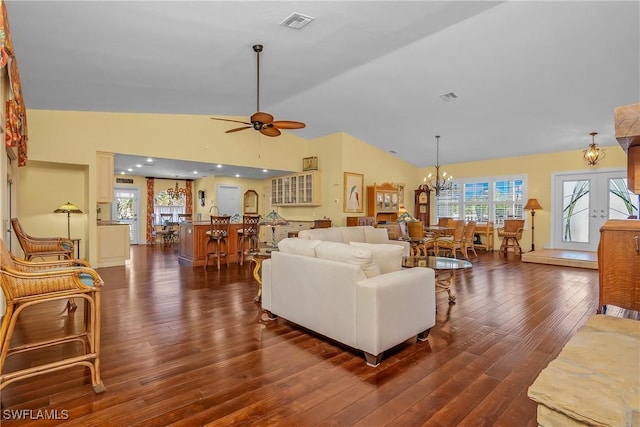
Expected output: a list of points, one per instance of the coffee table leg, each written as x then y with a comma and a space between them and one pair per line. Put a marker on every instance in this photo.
444, 283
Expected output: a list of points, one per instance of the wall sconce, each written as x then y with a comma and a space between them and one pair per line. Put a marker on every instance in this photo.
593, 154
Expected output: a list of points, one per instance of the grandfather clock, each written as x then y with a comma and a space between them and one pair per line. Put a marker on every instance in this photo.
422, 205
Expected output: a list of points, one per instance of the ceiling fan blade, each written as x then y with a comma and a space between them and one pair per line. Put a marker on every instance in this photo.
270, 131
264, 118
237, 129
229, 120
287, 124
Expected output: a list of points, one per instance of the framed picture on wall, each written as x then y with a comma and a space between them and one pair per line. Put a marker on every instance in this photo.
353, 198
310, 164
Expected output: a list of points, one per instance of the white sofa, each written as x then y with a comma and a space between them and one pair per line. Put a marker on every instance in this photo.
361, 233
356, 294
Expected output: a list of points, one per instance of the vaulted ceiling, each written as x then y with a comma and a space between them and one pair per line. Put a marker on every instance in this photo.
529, 76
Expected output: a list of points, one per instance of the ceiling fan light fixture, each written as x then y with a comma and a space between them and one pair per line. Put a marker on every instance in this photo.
297, 21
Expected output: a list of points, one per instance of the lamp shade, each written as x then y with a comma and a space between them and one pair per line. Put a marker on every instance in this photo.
532, 204
406, 217
273, 219
68, 208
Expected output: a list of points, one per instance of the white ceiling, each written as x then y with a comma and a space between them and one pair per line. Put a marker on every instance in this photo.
530, 76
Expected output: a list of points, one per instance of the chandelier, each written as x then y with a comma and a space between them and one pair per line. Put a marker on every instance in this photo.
593, 154
176, 192
439, 182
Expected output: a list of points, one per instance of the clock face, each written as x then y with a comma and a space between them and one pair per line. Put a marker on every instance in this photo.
422, 198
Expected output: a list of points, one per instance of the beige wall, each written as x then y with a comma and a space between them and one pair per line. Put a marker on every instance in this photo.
538, 170
62, 165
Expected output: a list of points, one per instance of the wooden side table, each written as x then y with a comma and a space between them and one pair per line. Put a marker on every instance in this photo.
257, 257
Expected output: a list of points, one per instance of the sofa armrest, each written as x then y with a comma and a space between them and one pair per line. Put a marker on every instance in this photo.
404, 244
393, 307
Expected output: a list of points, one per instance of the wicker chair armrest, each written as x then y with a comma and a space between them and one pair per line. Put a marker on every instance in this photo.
16, 284
31, 266
48, 245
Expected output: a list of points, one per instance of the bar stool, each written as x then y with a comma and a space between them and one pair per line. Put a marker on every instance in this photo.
248, 232
218, 234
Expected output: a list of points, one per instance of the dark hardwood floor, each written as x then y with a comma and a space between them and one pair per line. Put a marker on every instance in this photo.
185, 347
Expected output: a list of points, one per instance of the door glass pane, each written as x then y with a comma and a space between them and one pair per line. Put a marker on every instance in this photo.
622, 202
575, 211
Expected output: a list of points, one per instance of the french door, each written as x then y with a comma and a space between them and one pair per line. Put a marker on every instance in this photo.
583, 202
126, 209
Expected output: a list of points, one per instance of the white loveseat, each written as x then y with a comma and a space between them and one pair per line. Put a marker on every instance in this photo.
356, 294
361, 233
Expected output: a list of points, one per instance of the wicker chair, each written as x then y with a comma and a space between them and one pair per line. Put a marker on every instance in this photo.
43, 247
27, 284
469, 238
511, 234
454, 242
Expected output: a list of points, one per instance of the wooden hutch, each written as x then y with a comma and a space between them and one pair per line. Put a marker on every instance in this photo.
383, 203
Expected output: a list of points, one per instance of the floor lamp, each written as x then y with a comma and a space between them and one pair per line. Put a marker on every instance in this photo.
68, 208
532, 205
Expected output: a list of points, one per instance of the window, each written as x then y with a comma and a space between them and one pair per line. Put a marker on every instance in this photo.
164, 203
483, 199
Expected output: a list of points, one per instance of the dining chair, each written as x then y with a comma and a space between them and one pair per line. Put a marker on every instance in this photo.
469, 239
453, 242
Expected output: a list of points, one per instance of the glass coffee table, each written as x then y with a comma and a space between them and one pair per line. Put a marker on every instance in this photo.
445, 269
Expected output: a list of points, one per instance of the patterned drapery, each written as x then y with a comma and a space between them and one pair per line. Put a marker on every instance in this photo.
189, 197
15, 113
150, 209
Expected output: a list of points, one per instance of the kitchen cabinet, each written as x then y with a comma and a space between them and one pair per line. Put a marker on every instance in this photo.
104, 177
301, 189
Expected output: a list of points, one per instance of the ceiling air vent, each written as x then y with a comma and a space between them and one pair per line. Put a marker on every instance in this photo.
448, 97
296, 21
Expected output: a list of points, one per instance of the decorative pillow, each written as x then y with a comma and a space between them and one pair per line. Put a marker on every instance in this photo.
343, 252
352, 234
304, 247
376, 235
388, 257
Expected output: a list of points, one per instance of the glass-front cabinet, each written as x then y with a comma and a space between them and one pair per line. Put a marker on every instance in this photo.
301, 189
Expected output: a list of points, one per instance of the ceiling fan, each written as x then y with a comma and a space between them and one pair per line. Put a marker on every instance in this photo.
260, 121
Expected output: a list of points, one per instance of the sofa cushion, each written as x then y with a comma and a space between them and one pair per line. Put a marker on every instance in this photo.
304, 247
352, 234
375, 235
388, 257
349, 254
331, 234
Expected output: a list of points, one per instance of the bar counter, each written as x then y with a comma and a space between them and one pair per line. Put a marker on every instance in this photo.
193, 239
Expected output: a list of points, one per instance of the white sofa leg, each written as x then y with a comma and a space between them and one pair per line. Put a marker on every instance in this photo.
372, 360
422, 336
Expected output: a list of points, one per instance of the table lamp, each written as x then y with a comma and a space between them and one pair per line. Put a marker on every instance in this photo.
273, 219
68, 208
532, 205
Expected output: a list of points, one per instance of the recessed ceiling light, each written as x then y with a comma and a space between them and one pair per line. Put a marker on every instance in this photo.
264, 170
122, 173
149, 160
130, 170
195, 172
296, 21
237, 175
138, 165
219, 166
